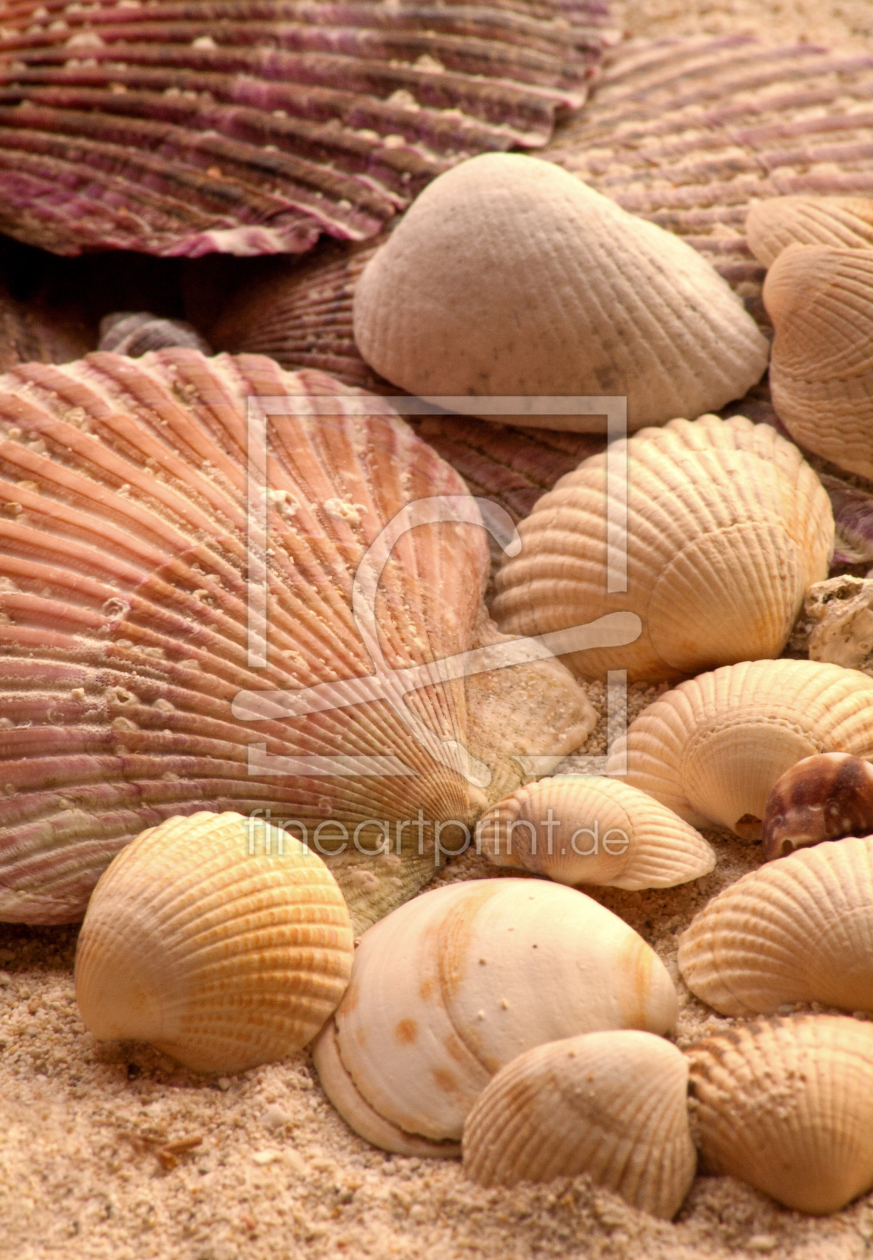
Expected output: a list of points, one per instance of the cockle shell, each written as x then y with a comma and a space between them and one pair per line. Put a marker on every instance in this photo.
712, 748
787, 1105
727, 526
820, 798
610, 1104
510, 277
821, 375
130, 660
450, 987
582, 829
224, 943
249, 128
840, 611
796, 930
136, 332
842, 222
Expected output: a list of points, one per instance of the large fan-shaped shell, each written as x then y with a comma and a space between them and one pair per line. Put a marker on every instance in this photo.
450, 987
713, 748
797, 930
787, 1105
840, 222
610, 1104
124, 635
223, 943
726, 528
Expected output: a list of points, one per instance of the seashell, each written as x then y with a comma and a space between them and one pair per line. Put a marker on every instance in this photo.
251, 128
586, 301
713, 748
853, 520
841, 613
726, 528
221, 956
821, 303
135, 333
820, 798
582, 829
452, 986
787, 1106
130, 662
610, 1104
839, 222
796, 930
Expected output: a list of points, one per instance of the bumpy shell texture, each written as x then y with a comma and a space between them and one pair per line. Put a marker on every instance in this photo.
224, 943
610, 1104
250, 127
727, 526
821, 798
130, 658
788, 1106
840, 222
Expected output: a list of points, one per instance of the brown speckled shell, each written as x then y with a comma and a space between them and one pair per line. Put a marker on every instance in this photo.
820, 798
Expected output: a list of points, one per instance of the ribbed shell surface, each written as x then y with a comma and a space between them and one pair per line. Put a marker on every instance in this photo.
838, 222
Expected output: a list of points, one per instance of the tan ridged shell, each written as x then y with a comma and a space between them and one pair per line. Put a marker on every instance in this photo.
841, 222
583, 829
124, 663
610, 1104
821, 376
787, 1105
797, 930
713, 747
450, 987
820, 798
508, 276
727, 526
223, 943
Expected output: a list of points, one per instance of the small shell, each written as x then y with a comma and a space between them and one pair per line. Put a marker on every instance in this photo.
135, 333
727, 526
221, 956
450, 987
713, 748
581, 829
841, 612
772, 225
796, 930
820, 798
787, 1105
610, 1104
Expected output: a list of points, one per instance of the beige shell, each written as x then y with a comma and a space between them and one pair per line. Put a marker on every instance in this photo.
610, 1104
450, 987
713, 747
843, 222
840, 611
727, 526
223, 942
796, 930
509, 276
583, 829
821, 375
787, 1105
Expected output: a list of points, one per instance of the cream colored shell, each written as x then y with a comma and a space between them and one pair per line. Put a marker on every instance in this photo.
799, 929
713, 747
821, 375
460, 980
727, 527
223, 942
778, 222
509, 276
583, 829
787, 1105
610, 1104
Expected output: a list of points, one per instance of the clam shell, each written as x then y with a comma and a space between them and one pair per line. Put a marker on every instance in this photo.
796, 930
450, 987
841, 222
136, 332
727, 526
582, 829
246, 127
127, 692
820, 798
712, 748
224, 944
787, 1105
610, 1104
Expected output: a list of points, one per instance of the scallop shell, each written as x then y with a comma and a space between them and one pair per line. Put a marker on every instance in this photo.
820, 798
787, 1105
127, 687
841, 222
796, 930
136, 332
610, 1104
246, 127
726, 528
581, 829
450, 987
223, 943
713, 748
